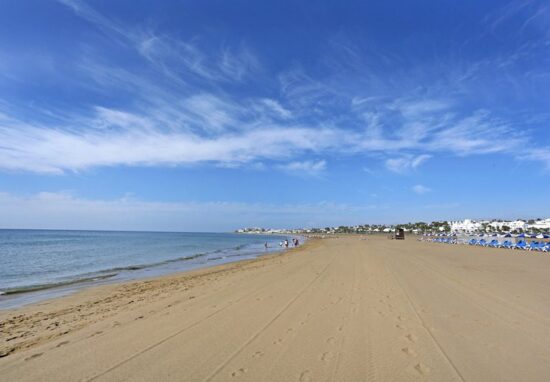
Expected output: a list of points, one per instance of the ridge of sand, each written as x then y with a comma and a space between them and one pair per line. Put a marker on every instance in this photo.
343, 309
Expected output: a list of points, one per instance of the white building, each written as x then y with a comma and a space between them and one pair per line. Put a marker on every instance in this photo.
469, 225
518, 225
541, 224
466, 225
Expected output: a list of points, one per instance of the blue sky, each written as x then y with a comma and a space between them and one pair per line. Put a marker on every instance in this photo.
212, 115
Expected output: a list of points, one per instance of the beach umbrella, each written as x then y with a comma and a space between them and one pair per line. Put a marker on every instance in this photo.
540, 236
508, 235
521, 235
546, 236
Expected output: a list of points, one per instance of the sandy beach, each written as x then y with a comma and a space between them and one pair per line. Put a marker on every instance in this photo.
339, 309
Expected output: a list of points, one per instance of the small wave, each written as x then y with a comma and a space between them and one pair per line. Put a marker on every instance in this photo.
151, 265
38, 287
217, 258
95, 276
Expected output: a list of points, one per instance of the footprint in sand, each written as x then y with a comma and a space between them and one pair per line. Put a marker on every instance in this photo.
278, 341
305, 376
327, 356
33, 356
258, 354
61, 344
95, 334
409, 351
422, 369
411, 337
238, 373
331, 340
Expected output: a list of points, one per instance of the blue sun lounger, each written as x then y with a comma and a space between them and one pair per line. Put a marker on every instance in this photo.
532, 246
520, 245
494, 243
539, 246
507, 244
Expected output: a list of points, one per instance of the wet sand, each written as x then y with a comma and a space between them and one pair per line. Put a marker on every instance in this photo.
343, 309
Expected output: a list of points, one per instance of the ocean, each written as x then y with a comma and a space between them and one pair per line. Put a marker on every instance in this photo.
39, 264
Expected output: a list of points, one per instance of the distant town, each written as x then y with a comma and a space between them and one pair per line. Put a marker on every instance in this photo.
467, 226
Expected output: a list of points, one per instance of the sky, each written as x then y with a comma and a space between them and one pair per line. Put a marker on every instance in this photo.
215, 115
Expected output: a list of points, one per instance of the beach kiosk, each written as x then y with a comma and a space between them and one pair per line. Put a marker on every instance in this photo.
400, 234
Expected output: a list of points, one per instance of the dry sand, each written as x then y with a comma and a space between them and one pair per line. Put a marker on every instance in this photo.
341, 309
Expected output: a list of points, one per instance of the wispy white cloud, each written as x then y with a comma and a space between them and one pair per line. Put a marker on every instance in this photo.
177, 59
539, 155
420, 189
276, 108
173, 57
56, 150
305, 167
406, 163
206, 128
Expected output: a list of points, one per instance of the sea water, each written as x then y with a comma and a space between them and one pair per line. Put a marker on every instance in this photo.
37, 264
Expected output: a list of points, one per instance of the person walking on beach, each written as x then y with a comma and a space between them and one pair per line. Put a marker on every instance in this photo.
286, 243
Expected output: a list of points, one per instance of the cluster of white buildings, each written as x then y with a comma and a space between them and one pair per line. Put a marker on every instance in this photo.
541, 224
470, 226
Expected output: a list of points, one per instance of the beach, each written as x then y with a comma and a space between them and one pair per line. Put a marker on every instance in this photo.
352, 308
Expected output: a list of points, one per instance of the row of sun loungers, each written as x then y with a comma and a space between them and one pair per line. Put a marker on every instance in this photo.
522, 244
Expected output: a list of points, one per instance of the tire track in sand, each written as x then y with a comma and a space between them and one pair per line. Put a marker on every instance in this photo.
175, 334
267, 325
421, 368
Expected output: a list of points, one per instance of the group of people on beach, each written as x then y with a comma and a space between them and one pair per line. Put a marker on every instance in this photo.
285, 243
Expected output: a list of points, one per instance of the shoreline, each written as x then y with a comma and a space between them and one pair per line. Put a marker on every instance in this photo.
12, 298
88, 297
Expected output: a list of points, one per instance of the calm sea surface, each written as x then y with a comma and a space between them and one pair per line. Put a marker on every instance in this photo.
41, 263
